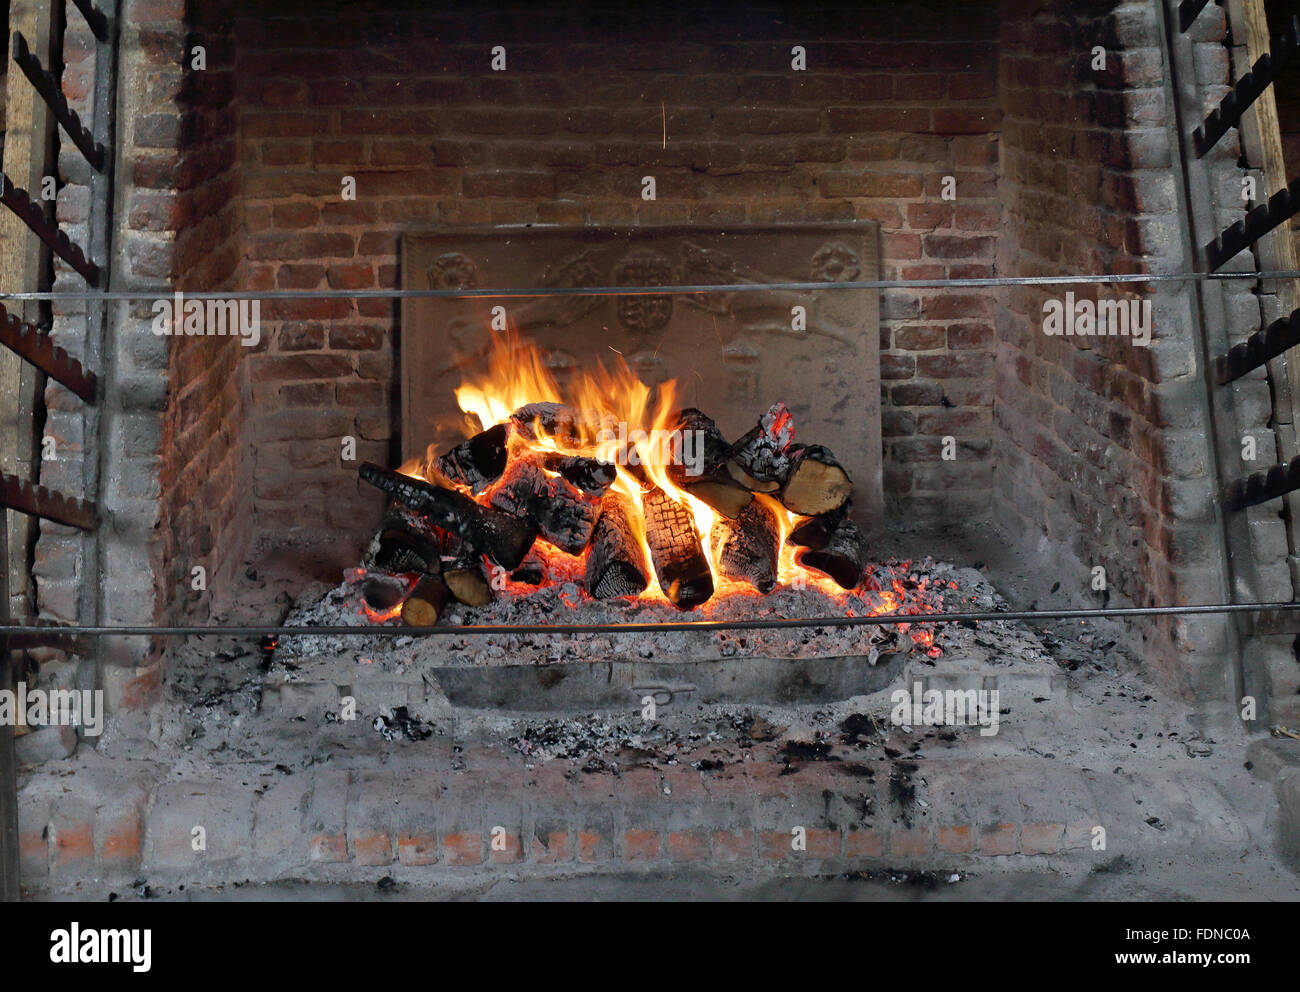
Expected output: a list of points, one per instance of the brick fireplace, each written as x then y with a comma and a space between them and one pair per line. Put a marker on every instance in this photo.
979, 138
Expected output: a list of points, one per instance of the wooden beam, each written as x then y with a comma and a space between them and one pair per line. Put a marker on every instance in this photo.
1261, 134
28, 157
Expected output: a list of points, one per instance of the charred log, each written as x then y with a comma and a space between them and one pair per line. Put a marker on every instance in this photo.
383, 592
760, 460
722, 494
562, 513
842, 556
589, 474
427, 602
748, 548
700, 448
504, 537
816, 483
679, 561
476, 461
405, 543
555, 420
463, 571
616, 564
815, 532
533, 571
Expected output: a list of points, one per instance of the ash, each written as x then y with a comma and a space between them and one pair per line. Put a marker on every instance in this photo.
891, 587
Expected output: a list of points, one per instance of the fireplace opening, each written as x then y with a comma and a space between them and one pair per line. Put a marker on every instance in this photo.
498, 405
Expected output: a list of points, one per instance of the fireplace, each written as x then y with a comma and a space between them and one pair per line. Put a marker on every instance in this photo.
884, 306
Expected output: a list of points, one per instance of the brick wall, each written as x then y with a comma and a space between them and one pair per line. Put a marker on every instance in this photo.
894, 98
1102, 450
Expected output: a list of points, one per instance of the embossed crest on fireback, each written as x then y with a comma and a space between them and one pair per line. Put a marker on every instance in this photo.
454, 270
649, 312
836, 262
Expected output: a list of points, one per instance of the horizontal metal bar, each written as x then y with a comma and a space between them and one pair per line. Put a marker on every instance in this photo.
52, 93
1280, 206
1127, 278
1248, 89
35, 632
19, 494
28, 343
1261, 347
1263, 486
644, 628
96, 20
1188, 11
18, 200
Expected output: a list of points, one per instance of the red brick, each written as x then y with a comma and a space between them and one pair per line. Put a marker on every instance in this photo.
373, 849
953, 840
998, 840
908, 843
555, 849
864, 844
329, 848
730, 846
358, 275
463, 849
823, 844
1041, 838
73, 844
417, 849
641, 845
296, 215
122, 841
775, 845
592, 847
688, 845
512, 854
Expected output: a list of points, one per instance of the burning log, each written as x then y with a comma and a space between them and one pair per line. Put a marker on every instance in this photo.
679, 561
383, 592
477, 461
815, 532
464, 574
533, 571
748, 548
562, 513
616, 564
556, 420
405, 543
760, 460
427, 602
505, 537
589, 474
842, 556
816, 483
710, 483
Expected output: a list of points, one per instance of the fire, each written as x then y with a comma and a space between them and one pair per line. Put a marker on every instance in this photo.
631, 425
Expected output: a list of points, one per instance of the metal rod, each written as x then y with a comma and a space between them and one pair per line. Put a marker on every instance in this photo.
48, 87
1264, 486
1258, 349
19, 494
18, 200
27, 342
748, 287
98, 23
1241, 235
1248, 89
643, 628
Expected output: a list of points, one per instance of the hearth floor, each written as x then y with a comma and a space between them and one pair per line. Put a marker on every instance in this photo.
494, 804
